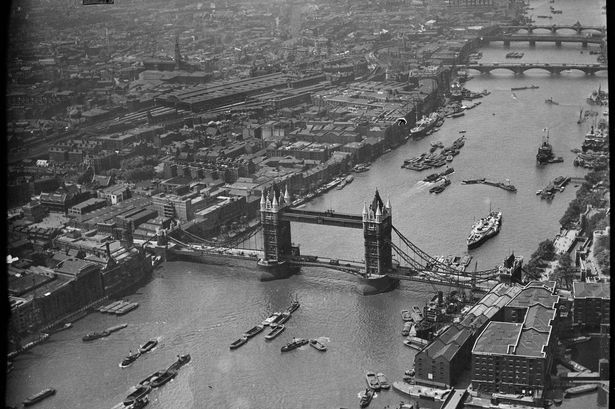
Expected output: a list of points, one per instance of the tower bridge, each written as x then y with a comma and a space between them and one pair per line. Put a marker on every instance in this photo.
385, 263
378, 269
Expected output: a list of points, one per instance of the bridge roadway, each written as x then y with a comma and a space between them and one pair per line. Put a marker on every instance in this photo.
329, 218
403, 273
540, 38
520, 68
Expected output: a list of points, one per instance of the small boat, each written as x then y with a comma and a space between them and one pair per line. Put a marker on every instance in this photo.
317, 345
372, 381
294, 344
407, 327
253, 331
576, 390
405, 315
148, 346
410, 372
277, 330
419, 313
45, 393
91, 336
551, 102
462, 131
140, 392
384, 383
449, 158
366, 398
557, 401
457, 114
548, 403
165, 377
236, 344
293, 306
130, 359
116, 328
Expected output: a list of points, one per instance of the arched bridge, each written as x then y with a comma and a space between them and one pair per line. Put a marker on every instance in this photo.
520, 68
578, 28
532, 39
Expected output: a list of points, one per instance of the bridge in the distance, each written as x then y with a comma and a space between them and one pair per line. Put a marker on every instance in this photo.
532, 39
520, 68
554, 28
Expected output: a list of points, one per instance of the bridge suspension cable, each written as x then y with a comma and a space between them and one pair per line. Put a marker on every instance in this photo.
231, 242
434, 265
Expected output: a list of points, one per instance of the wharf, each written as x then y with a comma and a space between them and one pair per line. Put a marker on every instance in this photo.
424, 392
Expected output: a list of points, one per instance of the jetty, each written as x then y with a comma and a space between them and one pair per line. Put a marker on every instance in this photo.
506, 186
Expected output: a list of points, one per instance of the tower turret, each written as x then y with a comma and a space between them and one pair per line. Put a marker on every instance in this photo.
275, 205
263, 201
287, 196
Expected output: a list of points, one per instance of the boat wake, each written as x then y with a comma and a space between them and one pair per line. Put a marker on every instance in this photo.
514, 96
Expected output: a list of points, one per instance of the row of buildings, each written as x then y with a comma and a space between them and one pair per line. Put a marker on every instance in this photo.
511, 336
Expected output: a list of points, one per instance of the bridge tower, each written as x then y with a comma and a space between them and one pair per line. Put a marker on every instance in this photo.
377, 227
276, 232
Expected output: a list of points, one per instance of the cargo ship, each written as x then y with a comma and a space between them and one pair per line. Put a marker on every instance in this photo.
423, 125
484, 229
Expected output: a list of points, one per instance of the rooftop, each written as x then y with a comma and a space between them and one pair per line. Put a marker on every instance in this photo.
534, 295
498, 338
591, 290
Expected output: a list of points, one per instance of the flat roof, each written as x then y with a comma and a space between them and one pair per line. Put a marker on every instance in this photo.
591, 290
498, 338
534, 295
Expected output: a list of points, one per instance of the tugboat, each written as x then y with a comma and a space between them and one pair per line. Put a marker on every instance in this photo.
545, 151
484, 229
130, 359
181, 361
294, 344
366, 398
551, 102
293, 306
138, 403
45, 393
236, 344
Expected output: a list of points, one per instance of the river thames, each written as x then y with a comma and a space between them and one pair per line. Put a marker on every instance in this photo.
199, 309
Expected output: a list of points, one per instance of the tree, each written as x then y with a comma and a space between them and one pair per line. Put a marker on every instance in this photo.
546, 250
603, 258
564, 273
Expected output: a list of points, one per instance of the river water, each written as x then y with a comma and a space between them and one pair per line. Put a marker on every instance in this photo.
200, 309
